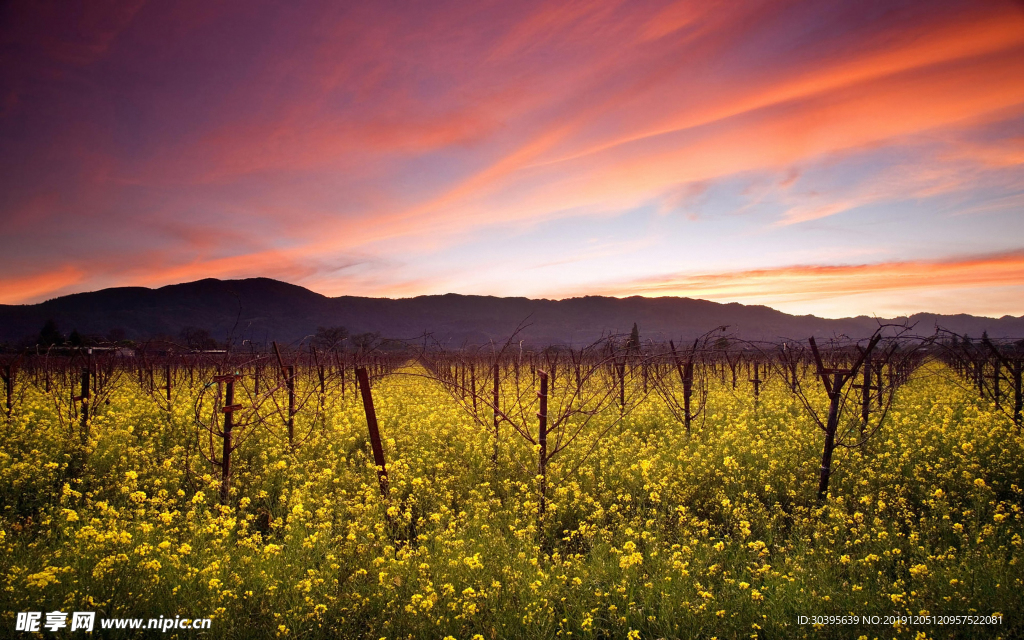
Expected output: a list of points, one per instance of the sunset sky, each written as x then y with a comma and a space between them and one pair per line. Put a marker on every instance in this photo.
835, 158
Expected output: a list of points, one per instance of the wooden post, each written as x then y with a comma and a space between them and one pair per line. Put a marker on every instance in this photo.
621, 369
472, 384
686, 377
1018, 401
217, 402
225, 458
9, 386
996, 374
290, 383
371, 424
92, 370
227, 433
494, 454
542, 440
865, 401
688, 391
879, 386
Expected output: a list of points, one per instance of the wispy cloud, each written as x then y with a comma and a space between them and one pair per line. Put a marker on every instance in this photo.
41, 285
165, 142
782, 286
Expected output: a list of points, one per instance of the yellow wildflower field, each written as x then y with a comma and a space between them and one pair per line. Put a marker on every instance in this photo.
648, 532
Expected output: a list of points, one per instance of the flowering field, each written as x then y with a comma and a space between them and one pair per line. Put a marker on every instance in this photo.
648, 532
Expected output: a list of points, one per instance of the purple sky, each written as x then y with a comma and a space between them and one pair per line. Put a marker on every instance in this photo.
818, 157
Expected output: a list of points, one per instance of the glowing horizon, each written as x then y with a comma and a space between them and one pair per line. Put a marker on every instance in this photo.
825, 158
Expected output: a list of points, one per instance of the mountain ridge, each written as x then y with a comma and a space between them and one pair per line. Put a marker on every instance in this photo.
263, 309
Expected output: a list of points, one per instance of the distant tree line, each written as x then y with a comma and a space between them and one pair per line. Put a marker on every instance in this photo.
327, 339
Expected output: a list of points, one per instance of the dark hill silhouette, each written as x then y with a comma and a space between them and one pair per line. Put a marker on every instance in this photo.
263, 309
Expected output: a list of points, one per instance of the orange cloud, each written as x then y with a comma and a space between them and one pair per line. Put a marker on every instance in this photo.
806, 283
641, 134
23, 289
887, 54
937, 76
884, 109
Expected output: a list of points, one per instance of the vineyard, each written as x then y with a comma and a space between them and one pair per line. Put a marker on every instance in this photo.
717, 488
